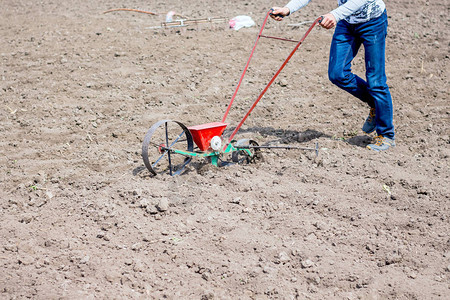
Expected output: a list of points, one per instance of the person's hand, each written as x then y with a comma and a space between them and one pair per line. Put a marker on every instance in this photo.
278, 13
328, 21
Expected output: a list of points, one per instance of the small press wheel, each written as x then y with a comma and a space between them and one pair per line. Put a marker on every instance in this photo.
245, 153
159, 144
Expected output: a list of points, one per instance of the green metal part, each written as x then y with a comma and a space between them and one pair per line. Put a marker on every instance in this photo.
214, 160
214, 155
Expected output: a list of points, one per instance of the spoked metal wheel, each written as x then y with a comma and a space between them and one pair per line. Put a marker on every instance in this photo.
246, 154
159, 144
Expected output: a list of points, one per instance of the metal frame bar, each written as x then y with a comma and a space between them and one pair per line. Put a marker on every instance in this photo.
273, 78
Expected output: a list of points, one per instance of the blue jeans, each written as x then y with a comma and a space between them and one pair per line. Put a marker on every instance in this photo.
347, 40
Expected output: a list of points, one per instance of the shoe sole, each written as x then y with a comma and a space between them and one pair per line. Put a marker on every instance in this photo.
379, 150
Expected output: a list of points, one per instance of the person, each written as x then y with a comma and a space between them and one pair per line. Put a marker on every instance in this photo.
358, 22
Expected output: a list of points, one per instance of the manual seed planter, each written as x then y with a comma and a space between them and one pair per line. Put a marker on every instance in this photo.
165, 149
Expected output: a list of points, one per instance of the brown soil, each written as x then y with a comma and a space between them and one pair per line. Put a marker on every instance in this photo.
78, 217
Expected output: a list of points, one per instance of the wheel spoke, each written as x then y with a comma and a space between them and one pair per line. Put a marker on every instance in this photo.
154, 164
168, 152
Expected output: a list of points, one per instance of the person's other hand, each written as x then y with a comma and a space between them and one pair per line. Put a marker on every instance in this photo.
278, 13
328, 21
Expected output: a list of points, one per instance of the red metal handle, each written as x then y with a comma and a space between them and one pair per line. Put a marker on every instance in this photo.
271, 81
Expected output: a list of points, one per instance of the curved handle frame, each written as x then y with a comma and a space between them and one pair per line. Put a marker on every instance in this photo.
318, 20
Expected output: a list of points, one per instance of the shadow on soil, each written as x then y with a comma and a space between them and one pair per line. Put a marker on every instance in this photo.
360, 141
283, 135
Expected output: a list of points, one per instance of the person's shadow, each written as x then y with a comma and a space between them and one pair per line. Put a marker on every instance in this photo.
283, 135
294, 136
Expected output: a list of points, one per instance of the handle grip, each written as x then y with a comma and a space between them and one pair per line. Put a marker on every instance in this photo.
276, 15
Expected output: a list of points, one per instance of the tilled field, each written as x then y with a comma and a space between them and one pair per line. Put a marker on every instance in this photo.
81, 217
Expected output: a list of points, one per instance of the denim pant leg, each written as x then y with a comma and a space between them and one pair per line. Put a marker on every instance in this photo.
373, 36
344, 47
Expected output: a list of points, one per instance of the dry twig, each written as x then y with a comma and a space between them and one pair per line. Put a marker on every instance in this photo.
141, 11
